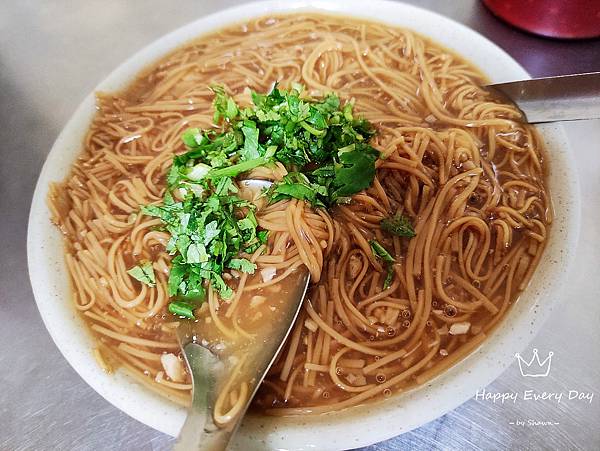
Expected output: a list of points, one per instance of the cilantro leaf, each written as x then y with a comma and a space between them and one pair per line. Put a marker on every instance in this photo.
177, 273
225, 107
250, 150
389, 278
298, 186
182, 308
237, 169
355, 172
196, 253
143, 273
381, 252
398, 225
192, 137
242, 264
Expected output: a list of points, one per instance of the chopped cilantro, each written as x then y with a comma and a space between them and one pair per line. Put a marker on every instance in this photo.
237, 169
242, 264
182, 308
303, 133
355, 171
381, 252
398, 225
144, 273
207, 234
297, 185
319, 141
389, 278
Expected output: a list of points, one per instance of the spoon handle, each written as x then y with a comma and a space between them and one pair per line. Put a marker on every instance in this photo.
199, 432
550, 99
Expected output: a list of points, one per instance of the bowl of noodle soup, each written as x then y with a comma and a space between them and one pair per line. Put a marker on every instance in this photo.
399, 64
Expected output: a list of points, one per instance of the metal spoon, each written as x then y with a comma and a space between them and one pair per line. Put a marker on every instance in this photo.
211, 366
551, 99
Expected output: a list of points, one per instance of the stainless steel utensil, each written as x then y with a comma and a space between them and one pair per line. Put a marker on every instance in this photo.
550, 99
210, 367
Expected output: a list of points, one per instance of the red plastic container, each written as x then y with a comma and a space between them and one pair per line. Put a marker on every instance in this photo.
567, 19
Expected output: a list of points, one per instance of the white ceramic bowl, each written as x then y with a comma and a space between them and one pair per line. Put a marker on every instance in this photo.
364, 424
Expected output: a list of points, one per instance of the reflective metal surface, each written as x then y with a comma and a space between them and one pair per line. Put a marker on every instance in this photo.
551, 99
211, 368
53, 53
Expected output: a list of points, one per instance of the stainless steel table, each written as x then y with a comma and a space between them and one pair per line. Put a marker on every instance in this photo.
53, 53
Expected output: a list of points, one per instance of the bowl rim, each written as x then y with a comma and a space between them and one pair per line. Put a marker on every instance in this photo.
420, 405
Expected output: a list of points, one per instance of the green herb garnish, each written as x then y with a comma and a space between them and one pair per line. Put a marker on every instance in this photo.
398, 225
381, 252
320, 142
389, 278
144, 273
208, 232
183, 308
318, 138
297, 185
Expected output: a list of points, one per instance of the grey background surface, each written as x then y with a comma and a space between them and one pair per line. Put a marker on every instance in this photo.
53, 53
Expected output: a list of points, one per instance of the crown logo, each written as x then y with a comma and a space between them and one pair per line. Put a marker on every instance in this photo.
535, 367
